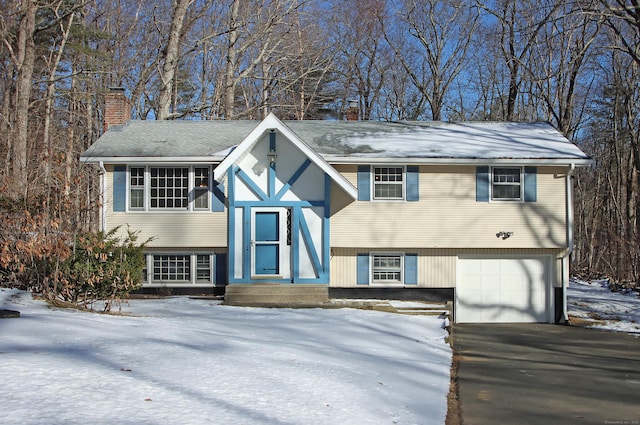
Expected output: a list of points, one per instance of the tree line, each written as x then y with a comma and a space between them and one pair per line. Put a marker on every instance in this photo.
573, 63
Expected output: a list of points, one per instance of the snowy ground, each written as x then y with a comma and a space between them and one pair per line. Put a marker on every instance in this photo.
186, 361
593, 303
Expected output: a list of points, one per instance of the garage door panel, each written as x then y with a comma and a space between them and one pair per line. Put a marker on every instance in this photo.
502, 290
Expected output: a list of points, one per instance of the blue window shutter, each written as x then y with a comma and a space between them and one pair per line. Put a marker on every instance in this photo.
364, 182
220, 264
119, 188
530, 184
482, 183
411, 269
217, 200
363, 269
413, 188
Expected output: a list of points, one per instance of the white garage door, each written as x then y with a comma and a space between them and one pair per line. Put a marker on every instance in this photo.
503, 290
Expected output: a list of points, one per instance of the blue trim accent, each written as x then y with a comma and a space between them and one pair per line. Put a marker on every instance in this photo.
252, 185
246, 242
231, 226
119, 188
296, 213
482, 183
364, 182
293, 179
326, 230
217, 198
362, 275
272, 140
530, 184
413, 185
273, 203
271, 181
411, 269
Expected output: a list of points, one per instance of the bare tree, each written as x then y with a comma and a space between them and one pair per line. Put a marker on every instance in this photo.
434, 50
170, 57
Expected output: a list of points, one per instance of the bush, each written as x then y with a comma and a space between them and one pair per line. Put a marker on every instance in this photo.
74, 267
101, 267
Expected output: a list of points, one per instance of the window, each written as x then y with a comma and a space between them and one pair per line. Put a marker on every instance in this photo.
201, 189
387, 268
136, 185
203, 268
506, 184
169, 187
388, 182
172, 268
176, 188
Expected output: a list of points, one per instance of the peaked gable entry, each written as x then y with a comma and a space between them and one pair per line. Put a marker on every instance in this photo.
279, 205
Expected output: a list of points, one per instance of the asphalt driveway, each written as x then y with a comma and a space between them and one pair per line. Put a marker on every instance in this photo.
546, 374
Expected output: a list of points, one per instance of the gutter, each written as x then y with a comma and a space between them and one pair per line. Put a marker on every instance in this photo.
567, 258
103, 191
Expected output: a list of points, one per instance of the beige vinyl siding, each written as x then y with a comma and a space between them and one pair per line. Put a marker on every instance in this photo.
178, 230
448, 216
436, 267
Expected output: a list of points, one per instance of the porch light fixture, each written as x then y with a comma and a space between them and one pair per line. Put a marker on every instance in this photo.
272, 155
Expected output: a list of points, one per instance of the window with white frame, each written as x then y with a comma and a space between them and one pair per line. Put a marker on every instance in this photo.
201, 188
388, 182
203, 268
136, 184
177, 188
179, 268
386, 268
169, 187
172, 268
506, 183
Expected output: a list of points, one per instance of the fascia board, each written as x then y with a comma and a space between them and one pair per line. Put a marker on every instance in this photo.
457, 161
151, 159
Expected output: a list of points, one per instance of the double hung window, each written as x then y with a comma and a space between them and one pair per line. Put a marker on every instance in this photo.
506, 184
387, 268
388, 183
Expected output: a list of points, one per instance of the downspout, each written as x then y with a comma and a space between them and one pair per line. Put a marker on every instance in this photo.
567, 258
103, 191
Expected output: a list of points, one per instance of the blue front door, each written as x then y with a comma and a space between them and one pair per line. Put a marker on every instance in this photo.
267, 243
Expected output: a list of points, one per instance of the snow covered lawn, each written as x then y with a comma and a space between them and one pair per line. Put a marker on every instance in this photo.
186, 361
594, 304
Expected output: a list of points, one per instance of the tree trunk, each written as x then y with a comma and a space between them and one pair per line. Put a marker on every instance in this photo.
26, 58
171, 58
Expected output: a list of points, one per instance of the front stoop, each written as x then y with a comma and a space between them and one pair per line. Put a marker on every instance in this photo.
276, 295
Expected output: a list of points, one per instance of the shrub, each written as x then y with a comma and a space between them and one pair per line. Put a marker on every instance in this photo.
102, 267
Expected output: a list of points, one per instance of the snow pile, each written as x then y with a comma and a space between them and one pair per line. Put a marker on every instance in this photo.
594, 303
180, 360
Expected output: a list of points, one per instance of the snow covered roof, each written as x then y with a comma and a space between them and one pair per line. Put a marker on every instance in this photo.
345, 141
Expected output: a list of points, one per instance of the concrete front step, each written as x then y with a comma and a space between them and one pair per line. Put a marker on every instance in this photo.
274, 294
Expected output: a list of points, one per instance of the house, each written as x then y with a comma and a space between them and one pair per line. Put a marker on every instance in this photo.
477, 213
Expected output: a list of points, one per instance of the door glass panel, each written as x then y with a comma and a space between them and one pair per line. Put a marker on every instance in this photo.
266, 226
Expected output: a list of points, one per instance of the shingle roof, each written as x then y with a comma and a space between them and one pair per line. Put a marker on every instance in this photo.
343, 140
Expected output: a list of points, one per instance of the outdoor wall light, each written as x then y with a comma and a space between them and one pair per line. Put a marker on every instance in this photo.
504, 235
272, 156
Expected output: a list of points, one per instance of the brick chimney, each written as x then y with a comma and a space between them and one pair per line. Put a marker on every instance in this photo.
117, 108
353, 111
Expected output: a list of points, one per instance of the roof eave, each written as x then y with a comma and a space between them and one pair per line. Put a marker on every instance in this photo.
151, 159
456, 161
